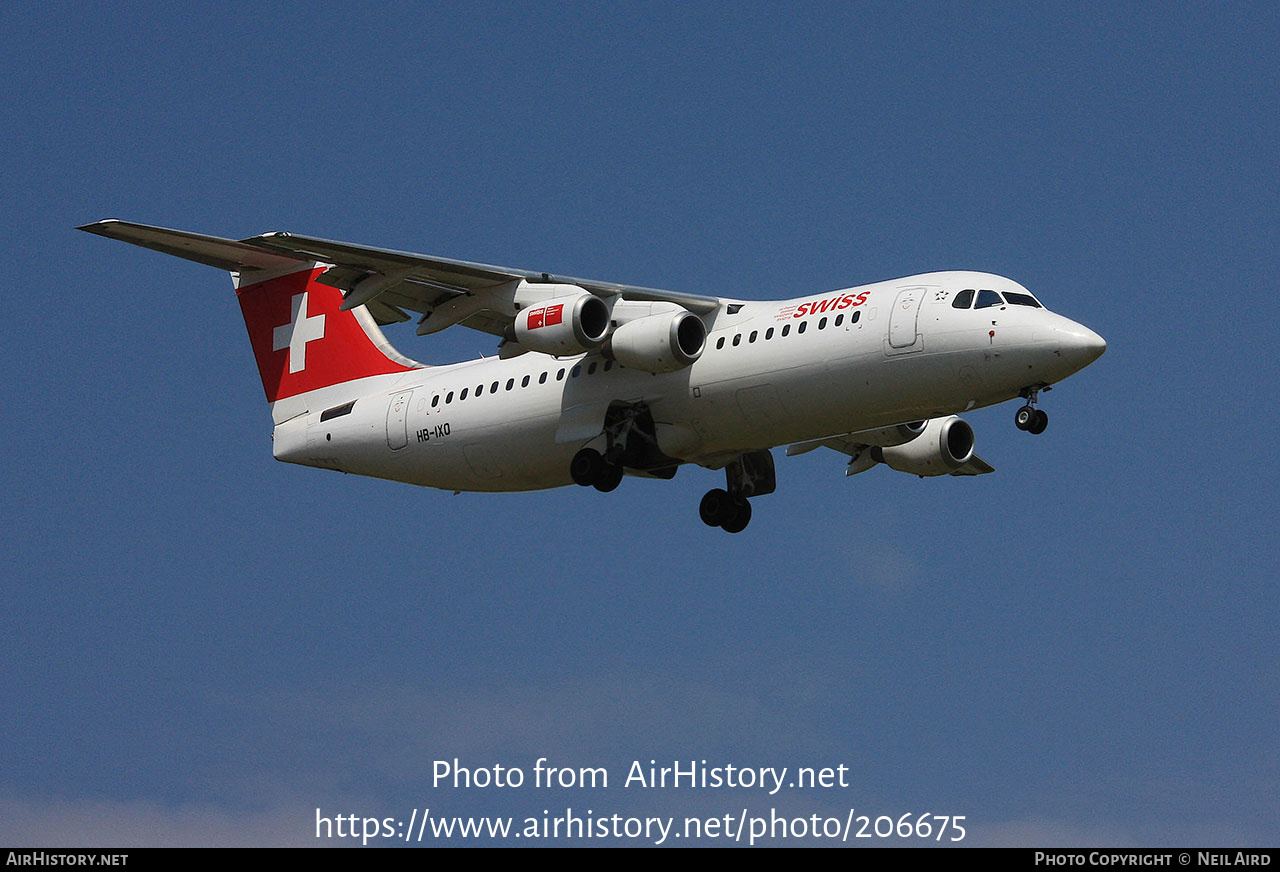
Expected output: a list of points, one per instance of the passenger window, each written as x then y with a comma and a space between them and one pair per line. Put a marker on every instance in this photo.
822, 325
963, 299
786, 328
591, 370
576, 371
435, 401
752, 337
462, 396
448, 399
737, 338
853, 319
1022, 300
560, 374
803, 324
839, 320
511, 383
987, 299
768, 334
542, 379
493, 388
719, 343
608, 365
524, 382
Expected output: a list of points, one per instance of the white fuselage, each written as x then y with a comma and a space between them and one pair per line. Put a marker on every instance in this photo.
867, 357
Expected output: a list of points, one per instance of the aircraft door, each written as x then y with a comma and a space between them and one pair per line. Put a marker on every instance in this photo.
398, 420
903, 333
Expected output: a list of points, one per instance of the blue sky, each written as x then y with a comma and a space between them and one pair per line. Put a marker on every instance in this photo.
202, 646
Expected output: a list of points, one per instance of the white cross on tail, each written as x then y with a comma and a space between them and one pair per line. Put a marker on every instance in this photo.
297, 333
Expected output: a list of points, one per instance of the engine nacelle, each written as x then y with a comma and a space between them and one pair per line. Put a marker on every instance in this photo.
945, 445
886, 436
569, 324
659, 343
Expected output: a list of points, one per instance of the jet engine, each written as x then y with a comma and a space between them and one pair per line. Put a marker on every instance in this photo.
563, 325
659, 343
886, 436
944, 445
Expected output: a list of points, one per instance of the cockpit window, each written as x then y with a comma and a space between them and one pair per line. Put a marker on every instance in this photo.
987, 299
1021, 300
963, 300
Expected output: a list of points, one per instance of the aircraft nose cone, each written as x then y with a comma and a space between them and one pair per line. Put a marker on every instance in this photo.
1092, 345
1082, 344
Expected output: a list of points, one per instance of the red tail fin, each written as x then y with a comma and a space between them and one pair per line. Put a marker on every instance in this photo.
304, 342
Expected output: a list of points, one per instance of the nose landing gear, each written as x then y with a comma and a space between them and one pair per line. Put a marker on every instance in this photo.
1028, 417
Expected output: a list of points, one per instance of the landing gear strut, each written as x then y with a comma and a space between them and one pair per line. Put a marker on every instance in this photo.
1030, 418
747, 476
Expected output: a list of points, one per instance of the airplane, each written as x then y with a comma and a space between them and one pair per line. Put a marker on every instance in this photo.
594, 381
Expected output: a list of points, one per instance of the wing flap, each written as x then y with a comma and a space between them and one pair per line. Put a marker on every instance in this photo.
385, 313
975, 466
487, 321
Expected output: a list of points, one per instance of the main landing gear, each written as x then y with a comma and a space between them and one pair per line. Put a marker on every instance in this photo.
623, 430
1030, 418
750, 475
590, 468
729, 513
629, 440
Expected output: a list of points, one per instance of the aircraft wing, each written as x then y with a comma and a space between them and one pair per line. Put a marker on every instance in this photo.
426, 283
388, 282
975, 466
213, 251
860, 459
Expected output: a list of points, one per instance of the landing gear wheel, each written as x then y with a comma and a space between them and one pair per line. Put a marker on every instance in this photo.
586, 466
1039, 421
716, 507
741, 516
609, 478
1024, 418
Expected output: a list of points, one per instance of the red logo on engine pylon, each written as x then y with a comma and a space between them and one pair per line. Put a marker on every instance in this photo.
547, 316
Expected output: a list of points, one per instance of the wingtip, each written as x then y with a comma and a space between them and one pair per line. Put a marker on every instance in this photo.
267, 237
93, 226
